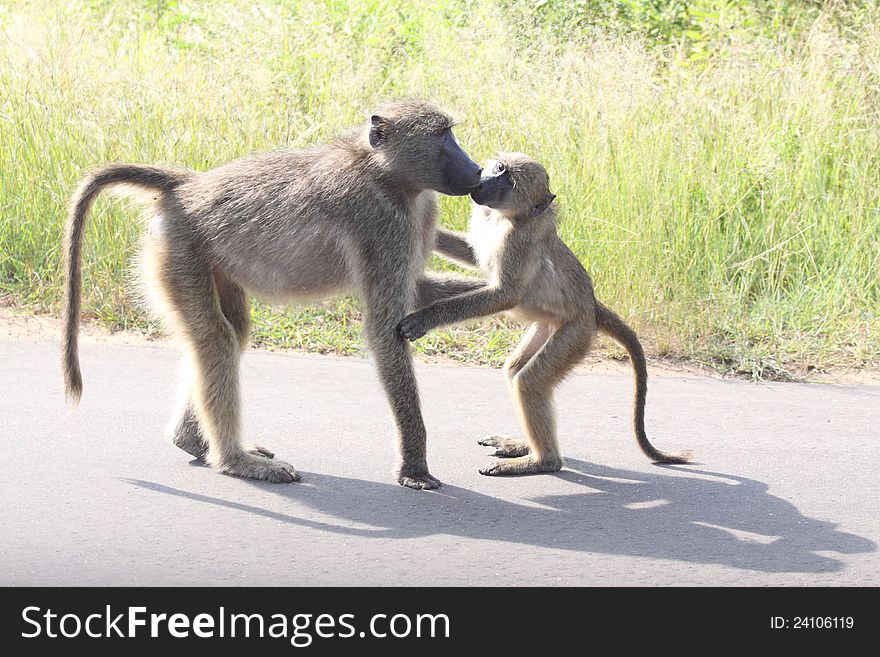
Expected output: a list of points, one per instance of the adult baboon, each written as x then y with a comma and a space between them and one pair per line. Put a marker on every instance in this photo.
536, 277
357, 214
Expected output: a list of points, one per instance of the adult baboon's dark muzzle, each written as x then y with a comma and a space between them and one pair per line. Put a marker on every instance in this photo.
461, 172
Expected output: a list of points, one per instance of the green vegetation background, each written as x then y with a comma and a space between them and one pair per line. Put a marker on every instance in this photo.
716, 161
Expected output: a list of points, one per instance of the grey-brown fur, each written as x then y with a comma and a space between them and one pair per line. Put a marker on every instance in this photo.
534, 276
357, 214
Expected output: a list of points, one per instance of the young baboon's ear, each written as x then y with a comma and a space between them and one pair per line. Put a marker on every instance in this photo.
378, 130
543, 205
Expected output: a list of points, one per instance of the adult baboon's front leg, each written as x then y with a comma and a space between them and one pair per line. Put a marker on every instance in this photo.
394, 362
386, 296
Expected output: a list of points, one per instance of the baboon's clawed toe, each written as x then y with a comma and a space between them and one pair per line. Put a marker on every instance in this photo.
252, 466
260, 451
505, 447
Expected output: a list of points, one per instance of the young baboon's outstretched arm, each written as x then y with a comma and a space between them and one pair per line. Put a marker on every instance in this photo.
434, 286
455, 247
517, 264
478, 303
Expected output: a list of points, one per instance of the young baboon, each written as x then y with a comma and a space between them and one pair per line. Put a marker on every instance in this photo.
535, 276
357, 214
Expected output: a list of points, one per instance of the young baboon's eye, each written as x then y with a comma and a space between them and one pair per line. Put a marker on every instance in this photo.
499, 168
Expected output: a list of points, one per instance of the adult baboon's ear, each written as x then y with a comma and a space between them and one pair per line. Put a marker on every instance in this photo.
378, 130
543, 205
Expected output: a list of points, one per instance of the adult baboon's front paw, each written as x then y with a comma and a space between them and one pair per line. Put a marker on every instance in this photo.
522, 465
505, 447
413, 326
419, 481
251, 466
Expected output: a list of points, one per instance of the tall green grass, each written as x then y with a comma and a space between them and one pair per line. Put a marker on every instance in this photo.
730, 208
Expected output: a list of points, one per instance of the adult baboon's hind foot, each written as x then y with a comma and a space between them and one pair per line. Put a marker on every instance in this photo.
191, 442
522, 465
189, 439
252, 466
256, 450
505, 446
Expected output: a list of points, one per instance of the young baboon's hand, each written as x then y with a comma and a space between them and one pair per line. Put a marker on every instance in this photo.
413, 326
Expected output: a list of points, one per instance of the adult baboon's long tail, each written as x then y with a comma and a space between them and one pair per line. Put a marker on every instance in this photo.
136, 175
609, 323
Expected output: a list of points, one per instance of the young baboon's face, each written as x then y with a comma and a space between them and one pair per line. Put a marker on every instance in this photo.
516, 184
417, 141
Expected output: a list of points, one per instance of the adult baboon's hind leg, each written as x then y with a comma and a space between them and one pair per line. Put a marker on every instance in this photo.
533, 388
187, 435
535, 338
213, 350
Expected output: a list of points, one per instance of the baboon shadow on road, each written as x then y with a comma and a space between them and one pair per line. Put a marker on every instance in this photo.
621, 512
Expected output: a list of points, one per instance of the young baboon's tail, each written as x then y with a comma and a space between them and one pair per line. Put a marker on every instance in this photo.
609, 323
137, 175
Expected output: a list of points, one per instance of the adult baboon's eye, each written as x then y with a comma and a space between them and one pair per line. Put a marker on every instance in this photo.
499, 168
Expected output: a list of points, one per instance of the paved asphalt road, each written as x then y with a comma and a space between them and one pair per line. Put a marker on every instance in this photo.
785, 491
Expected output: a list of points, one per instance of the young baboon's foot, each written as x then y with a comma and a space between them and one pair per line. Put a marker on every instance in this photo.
522, 465
190, 440
505, 446
420, 480
251, 466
